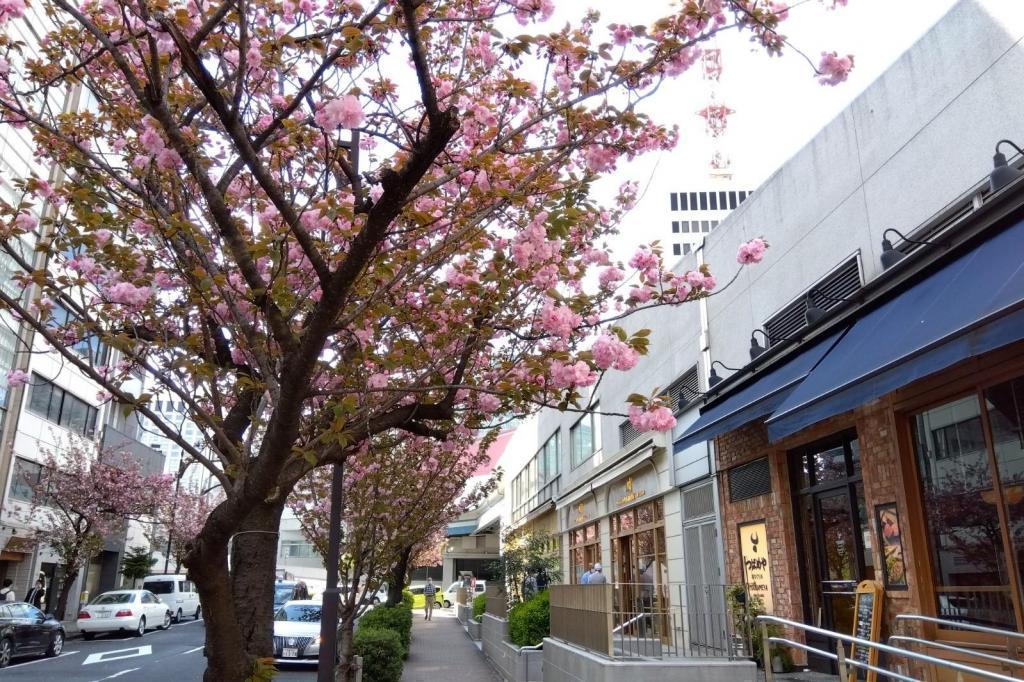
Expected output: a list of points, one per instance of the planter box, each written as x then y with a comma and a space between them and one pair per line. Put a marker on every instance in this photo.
564, 662
512, 663
463, 613
474, 629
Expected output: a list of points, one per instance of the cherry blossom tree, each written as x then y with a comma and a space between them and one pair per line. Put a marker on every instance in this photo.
397, 500
322, 223
80, 499
178, 520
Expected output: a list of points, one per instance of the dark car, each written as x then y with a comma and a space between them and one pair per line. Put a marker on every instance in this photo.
27, 631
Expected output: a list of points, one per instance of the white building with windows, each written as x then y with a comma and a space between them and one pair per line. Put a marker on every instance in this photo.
695, 214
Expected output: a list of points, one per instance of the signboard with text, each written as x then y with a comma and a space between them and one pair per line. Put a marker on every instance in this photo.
757, 570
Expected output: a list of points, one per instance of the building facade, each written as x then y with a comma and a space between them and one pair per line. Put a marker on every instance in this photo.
695, 214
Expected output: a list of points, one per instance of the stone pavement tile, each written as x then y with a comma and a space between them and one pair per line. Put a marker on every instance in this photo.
442, 652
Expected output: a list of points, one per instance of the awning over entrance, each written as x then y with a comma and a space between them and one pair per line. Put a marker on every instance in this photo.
461, 528
757, 399
973, 305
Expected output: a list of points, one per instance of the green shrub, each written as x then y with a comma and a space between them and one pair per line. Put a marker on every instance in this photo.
479, 606
529, 622
382, 653
407, 599
395, 618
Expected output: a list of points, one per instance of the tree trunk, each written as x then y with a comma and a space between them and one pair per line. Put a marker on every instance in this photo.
346, 653
66, 582
237, 605
396, 580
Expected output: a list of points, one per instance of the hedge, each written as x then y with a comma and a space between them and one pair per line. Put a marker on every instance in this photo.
395, 618
529, 622
479, 606
381, 650
407, 599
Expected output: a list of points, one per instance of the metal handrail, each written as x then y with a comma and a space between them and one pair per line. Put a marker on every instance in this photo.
846, 661
959, 650
896, 651
1010, 634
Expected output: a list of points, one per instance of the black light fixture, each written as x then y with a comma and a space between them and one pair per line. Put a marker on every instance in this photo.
890, 255
756, 349
1003, 173
813, 314
713, 378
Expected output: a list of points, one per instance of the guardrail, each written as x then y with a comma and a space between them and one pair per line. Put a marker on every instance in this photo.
844, 662
649, 620
1014, 641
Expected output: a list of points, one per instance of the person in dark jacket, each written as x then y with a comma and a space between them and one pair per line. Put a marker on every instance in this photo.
36, 594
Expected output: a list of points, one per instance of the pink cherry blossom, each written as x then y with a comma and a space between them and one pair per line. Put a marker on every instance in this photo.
377, 381
11, 9
26, 221
833, 69
17, 377
559, 320
622, 34
652, 419
566, 375
751, 252
102, 237
129, 294
344, 112
609, 351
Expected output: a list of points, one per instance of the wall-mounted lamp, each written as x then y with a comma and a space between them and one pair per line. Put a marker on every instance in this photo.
1003, 173
756, 349
890, 255
713, 378
813, 313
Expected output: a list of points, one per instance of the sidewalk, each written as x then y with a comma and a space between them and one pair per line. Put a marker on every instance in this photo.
442, 652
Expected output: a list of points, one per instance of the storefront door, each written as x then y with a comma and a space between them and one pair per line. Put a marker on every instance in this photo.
834, 535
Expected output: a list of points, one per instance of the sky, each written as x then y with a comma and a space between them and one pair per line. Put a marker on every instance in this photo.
779, 105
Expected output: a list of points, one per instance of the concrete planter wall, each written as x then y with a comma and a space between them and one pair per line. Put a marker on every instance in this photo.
474, 628
464, 613
566, 663
512, 663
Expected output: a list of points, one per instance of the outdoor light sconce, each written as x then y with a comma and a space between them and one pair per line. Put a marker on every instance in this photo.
813, 314
1002, 173
757, 349
713, 378
890, 255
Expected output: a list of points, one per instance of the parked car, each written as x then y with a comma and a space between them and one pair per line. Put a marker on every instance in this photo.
449, 594
380, 596
123, 610
284, 591
177, 593
419, 601
297, 632
27, 631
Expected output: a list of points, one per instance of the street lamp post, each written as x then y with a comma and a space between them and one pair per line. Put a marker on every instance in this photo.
170, 528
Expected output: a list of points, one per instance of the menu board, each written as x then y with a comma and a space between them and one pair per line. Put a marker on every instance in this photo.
867, 620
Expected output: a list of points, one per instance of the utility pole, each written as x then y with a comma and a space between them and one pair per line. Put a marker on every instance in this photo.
327, 663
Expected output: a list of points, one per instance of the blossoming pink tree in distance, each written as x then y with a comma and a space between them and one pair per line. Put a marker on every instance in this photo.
179, 518
399, 494
208, 220
80, 499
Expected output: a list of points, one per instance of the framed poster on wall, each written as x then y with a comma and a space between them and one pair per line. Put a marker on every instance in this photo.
757, 570
894, 569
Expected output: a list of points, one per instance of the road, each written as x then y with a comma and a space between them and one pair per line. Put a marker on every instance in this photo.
174, 655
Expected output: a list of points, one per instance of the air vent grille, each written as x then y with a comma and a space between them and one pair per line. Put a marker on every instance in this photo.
841, 283
750, 480
698, 502
684, 390
627, 433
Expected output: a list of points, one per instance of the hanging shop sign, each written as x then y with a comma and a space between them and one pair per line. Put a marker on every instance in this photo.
757, 570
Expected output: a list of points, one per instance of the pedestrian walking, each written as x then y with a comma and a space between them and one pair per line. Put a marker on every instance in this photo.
429, 590
597, 577
585, 578
36, 594
7, 592
301, 591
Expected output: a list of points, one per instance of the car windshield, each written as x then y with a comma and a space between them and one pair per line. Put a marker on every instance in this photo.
299, 613
160, 586
113, 598
283, 593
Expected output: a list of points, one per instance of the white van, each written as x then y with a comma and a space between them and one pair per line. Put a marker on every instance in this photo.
452, 591
178, 594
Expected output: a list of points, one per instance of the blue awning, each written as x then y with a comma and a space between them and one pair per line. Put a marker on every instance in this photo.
460, 528
973, 305
755, 400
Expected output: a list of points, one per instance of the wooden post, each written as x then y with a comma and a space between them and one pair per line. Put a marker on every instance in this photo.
841, 661
766, 652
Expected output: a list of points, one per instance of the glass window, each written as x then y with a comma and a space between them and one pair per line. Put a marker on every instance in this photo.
584, 439
297, 613
714, 201
683, 204
1005, 406
677, 250
722, 200
19, 610
703, 201
732, 199
960, 495
39, 398
114, 598
160, 586
673, 201
693, 201
675, 226
24, 479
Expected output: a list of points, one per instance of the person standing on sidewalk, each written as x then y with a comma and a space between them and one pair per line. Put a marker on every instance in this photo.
7, 593
429, 590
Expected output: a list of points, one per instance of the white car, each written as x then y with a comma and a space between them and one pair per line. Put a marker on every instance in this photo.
178, 594
297, 632
123, 610
450, 593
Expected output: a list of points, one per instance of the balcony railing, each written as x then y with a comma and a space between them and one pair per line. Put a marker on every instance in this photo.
547, 493
643, 620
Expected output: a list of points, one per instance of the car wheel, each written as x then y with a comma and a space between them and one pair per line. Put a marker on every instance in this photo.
6, 651
199, 612
447, 604
177, 617
141, 630
167, 620
88, 636
56, 644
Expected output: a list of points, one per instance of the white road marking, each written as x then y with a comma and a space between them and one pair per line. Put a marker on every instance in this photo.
123, 672
43, 660
192, 651
106, 657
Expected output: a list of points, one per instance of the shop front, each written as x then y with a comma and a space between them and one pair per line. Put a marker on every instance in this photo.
889, 448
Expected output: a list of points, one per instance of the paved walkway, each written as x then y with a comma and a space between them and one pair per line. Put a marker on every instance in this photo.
442, 652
